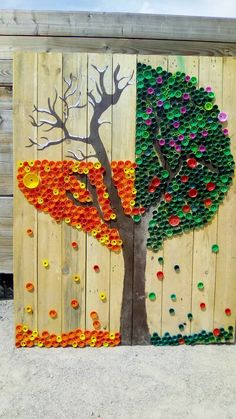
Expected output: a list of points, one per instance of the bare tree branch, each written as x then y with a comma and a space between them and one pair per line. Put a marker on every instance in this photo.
103, 122
101, 78
83, 156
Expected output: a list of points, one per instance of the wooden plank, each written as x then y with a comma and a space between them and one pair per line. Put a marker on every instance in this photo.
225, 293
6, 169
6, 152
49, 232
6, 121
178, 250
128, 25
9, 44
74, 261
154, 308
204, 261
6, 232
6, 98
123, 144
25, 215
96, 253
5, 72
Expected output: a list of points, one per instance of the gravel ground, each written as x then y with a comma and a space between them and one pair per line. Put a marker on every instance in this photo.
116, 383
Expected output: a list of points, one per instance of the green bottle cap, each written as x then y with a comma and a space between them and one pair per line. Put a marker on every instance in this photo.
215, 248
190, 316
200, 286
152, 296
173, 297
165, 174
136, 218
161, 260
172, 311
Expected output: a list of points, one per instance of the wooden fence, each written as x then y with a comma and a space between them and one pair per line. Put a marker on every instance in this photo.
36, 76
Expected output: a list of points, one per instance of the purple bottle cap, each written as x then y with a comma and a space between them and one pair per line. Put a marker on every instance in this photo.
150, 90
149, 110
225, 131
202, 148
176, 124
192, 135
183, 109
208, 89
178, 148
181, 137
186, 95
187, 78
160, 103
159, 80
162, 141
148, 122
172, 143
204, 133
222, 116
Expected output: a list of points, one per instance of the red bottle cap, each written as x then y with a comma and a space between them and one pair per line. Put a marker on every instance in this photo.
174, 220
184, 178
216, 332
228, 312
210, 186
160, 275
168, 197
192, 163
193, 193
186, 208
156, 182
202, 306
208, 202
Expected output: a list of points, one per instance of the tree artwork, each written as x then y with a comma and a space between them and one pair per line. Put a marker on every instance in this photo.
182, 171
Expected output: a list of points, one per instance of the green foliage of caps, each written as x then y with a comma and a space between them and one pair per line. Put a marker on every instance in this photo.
183, 123
215, 248
152, 296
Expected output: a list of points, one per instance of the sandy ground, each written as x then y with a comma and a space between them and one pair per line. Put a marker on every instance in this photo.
120, 383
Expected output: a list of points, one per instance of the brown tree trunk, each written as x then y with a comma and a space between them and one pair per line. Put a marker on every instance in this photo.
140, 335
134, 328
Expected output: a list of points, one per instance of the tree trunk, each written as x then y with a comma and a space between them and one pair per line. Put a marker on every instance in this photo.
140, 335
134, 328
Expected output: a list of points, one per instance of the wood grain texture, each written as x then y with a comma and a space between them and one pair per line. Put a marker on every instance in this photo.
178, 250
25, 215
49, 232
5, 72
225, 292
6, 165
5, 98
118, 25
204, 261
123, 144
6, 232
154, 308
97, 254
9, 44
74, 260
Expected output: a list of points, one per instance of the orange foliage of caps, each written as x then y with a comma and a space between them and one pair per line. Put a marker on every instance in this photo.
50, 194
123, 174
29, 286
53, 314
74, 303
76, 338
94, 315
